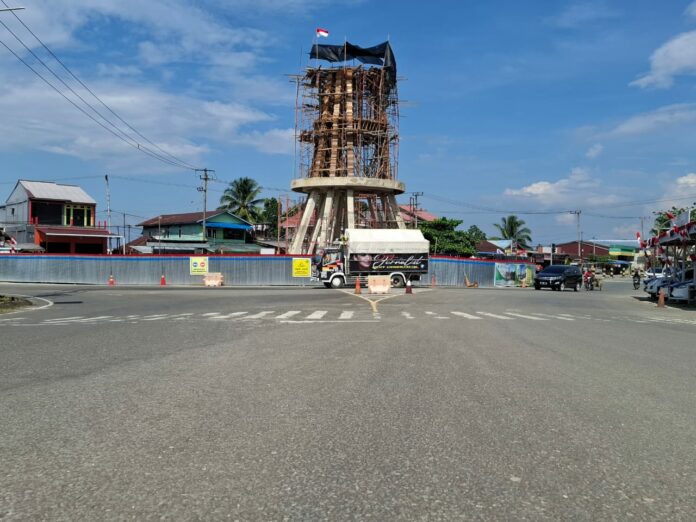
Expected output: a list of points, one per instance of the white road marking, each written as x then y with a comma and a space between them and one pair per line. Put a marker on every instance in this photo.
316, 315
74, 318
495, 316
407, 315
92, 319
210, 314
289, 314
259, 315
465, 315
227, 316
522, 316
347, 314
327, 321
555, 317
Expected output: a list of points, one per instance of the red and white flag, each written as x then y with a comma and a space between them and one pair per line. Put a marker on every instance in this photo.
322, 33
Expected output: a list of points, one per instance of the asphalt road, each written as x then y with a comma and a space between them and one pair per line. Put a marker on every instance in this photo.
315, 404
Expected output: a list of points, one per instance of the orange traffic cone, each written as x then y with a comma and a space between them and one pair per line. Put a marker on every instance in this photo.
409, 288
433, 281
112, 281
163, 281
661, 298
357, 286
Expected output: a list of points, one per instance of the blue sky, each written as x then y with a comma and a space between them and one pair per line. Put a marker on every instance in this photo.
507, 106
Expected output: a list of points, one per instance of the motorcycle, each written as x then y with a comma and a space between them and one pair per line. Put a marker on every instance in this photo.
636, 283
589, 283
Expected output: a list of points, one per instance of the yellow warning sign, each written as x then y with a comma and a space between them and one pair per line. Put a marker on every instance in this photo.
301, 267
198, 265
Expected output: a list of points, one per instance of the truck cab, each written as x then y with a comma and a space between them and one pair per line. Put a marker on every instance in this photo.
328, 267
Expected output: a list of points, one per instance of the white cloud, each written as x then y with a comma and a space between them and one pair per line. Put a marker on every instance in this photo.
594, 151
671, 115
583, 13
274, 141
36, 118
578, 189
676, 57
188, 123
680, 192
691, 10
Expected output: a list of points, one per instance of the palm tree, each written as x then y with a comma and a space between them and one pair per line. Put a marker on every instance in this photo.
513, 228
241, 198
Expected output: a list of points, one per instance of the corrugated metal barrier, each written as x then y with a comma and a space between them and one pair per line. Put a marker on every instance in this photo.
238, 270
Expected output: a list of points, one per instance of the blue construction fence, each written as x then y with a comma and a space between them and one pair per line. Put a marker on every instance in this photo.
238, 270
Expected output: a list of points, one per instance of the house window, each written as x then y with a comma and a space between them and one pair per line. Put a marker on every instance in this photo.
210, 232
233, 234
78, 215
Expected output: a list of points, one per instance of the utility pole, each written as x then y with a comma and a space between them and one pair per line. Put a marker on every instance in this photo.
108, 214
577, 215
205, 177
414, 206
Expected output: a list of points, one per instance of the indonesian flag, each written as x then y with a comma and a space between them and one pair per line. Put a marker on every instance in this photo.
322, 33
669, 215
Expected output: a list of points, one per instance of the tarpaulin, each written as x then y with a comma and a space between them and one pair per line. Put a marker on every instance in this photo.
380, 54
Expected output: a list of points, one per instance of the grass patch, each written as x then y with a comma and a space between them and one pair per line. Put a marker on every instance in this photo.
9, 303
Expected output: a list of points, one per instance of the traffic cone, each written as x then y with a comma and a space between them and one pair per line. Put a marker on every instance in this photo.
163, 281
661, 298
433, 281
112, 281
357, 286
409, 288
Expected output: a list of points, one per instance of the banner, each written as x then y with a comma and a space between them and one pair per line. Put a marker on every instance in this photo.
388, 263
198, 265
512, 274
301, 267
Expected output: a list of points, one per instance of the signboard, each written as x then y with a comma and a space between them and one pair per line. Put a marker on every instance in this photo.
198, 265
301, 267
512, 274
388, 263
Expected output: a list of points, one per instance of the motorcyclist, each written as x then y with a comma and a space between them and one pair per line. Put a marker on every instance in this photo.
589, 277
636, 278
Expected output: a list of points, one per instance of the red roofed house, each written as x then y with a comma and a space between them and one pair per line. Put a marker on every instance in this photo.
57, 218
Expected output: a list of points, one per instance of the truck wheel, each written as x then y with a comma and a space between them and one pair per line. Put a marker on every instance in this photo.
337, 282
397, 281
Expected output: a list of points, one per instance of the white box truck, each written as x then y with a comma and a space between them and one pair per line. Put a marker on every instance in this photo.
402, 254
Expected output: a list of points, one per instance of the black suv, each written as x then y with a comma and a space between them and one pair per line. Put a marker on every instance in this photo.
559, 277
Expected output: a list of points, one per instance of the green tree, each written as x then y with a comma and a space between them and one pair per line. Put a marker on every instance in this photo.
663, 221
476, 234
444, 239
241, 198
269, 216
513, 228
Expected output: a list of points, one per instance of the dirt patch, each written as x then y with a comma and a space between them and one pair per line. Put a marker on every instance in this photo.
9, 303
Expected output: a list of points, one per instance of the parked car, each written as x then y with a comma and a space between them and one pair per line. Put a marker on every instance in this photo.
652, 273
653, 286
681, 291
559, 277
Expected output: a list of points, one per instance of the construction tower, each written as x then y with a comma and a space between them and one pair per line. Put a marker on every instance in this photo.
347, 138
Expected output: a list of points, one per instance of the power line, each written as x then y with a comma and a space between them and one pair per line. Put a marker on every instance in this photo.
183, 163
83, 111
117, 132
